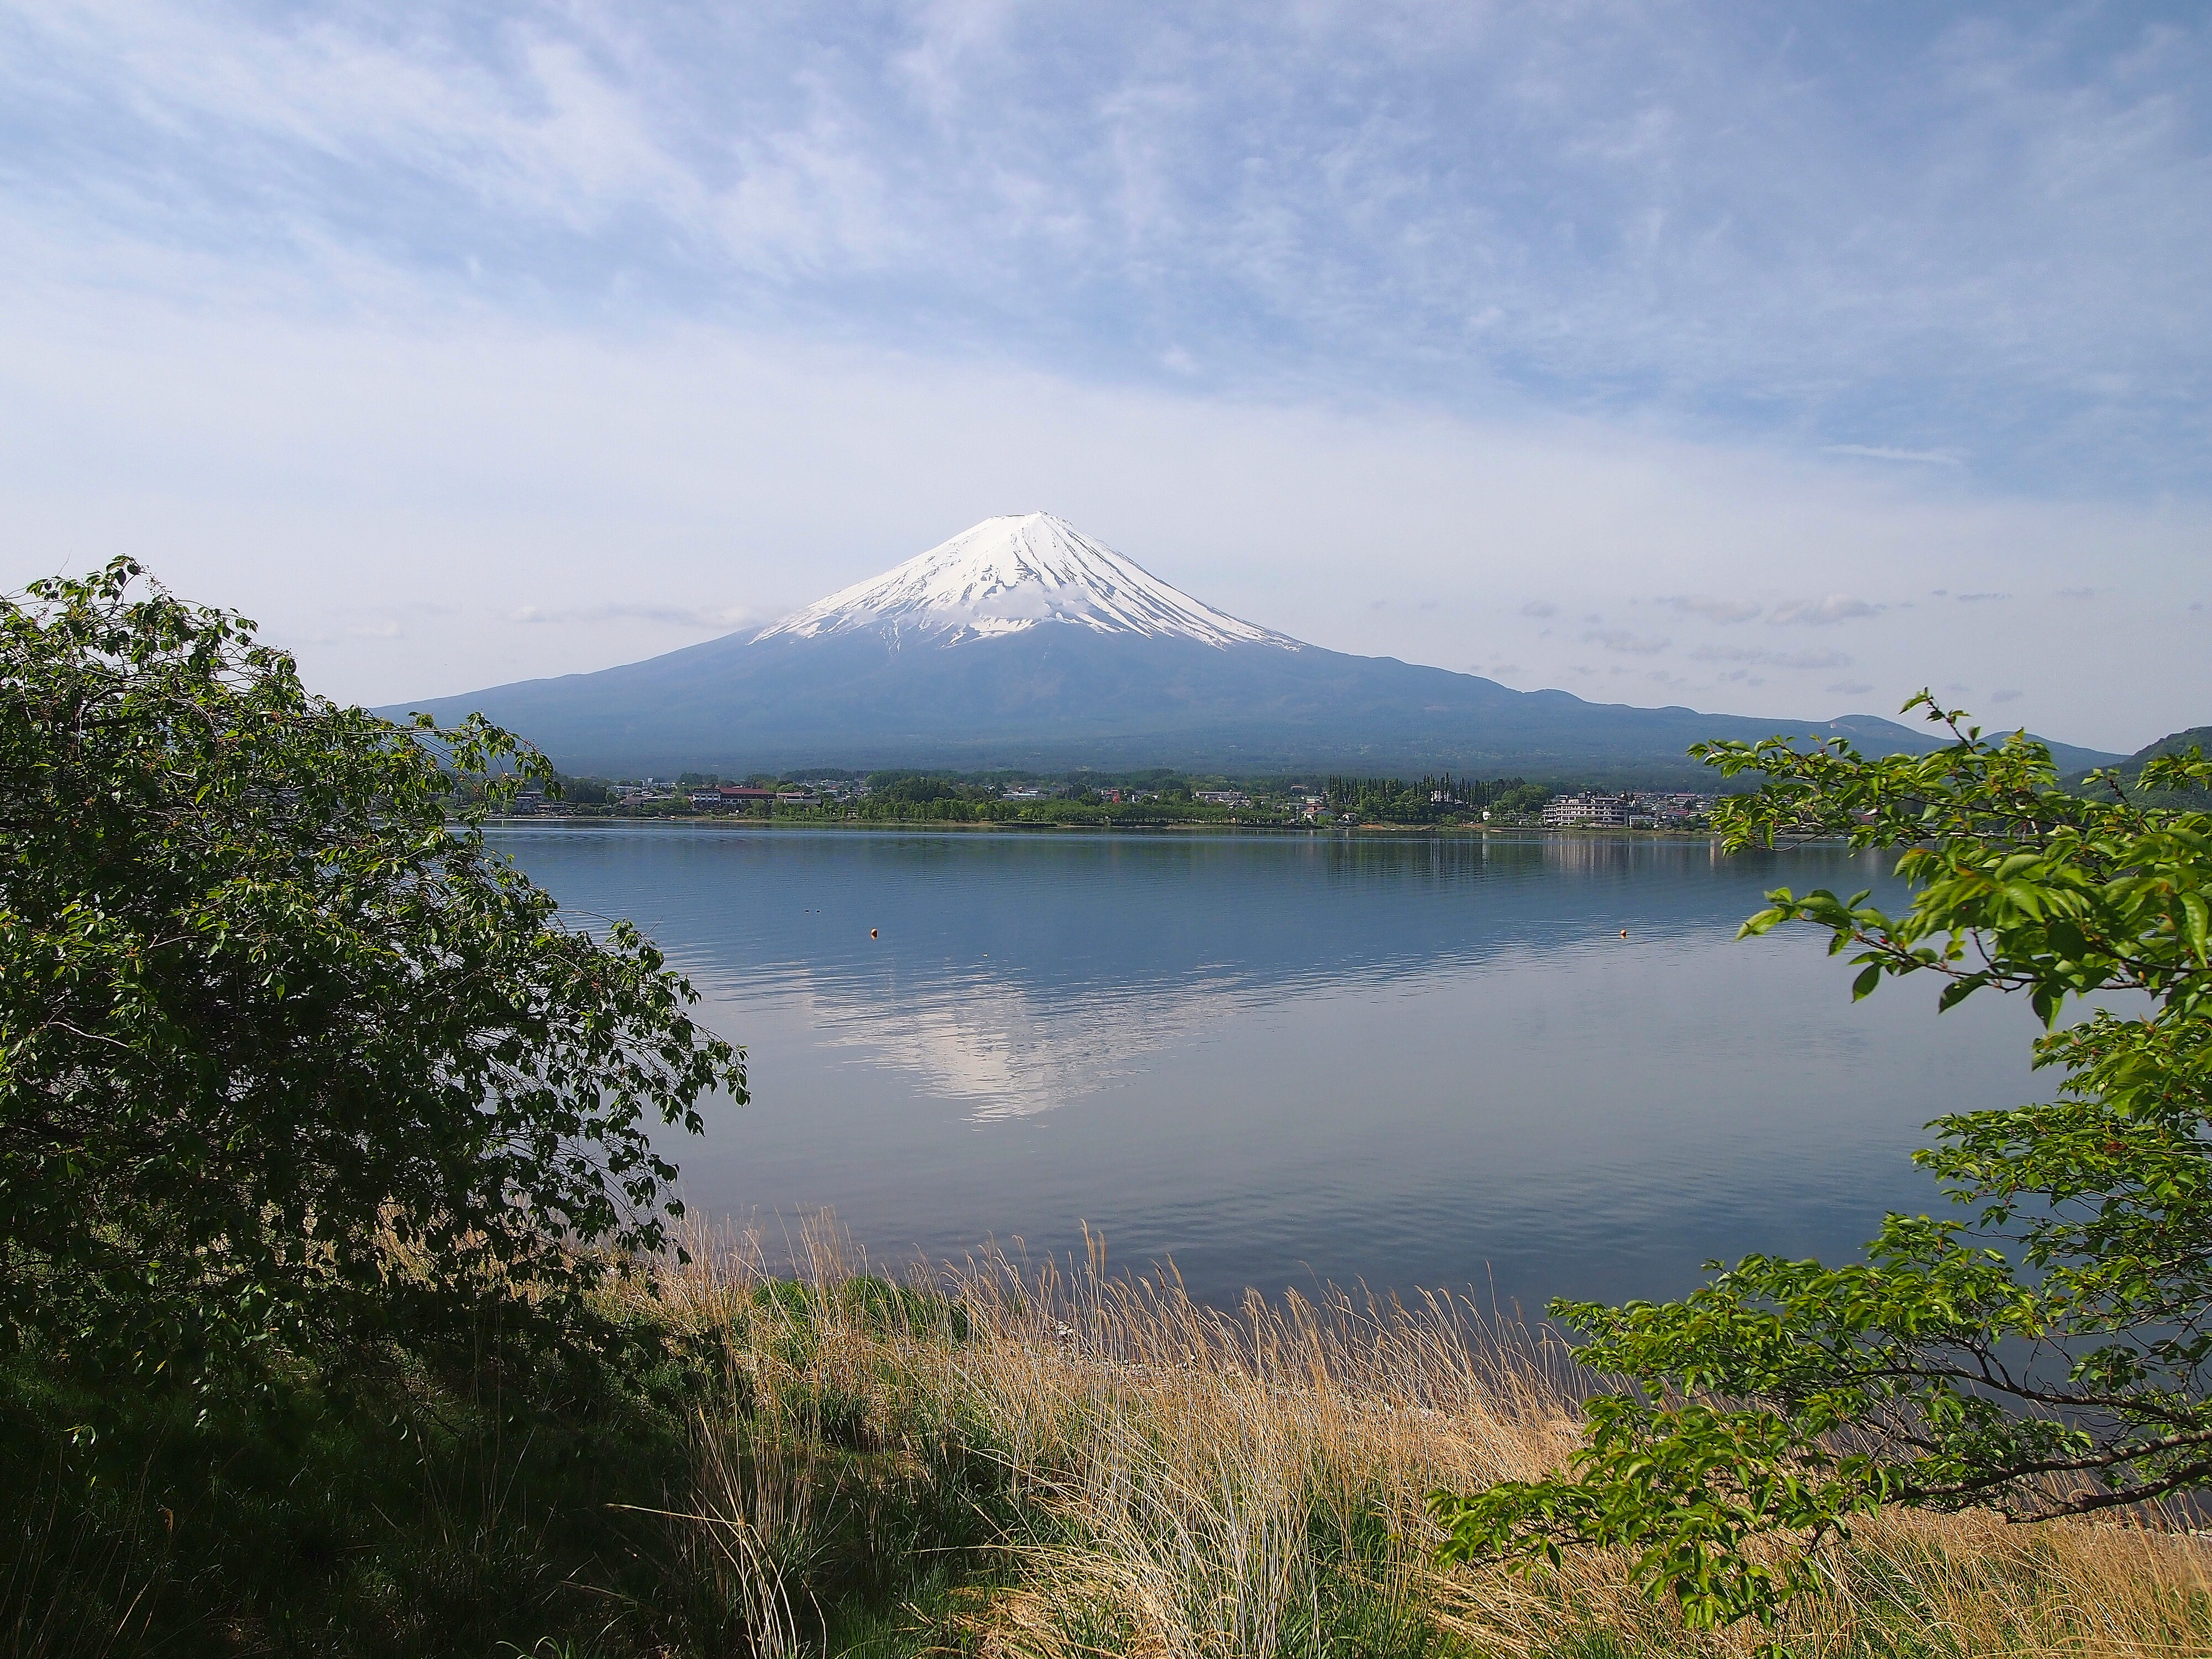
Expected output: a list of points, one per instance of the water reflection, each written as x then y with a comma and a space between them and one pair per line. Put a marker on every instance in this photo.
1153, 942
1416, 1060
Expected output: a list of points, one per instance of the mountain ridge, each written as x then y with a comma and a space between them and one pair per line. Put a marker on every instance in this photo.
1021, 642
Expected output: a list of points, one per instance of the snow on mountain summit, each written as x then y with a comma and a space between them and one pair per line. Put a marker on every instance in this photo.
1018, 572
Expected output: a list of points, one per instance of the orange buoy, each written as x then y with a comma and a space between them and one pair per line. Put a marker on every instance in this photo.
872, 933
1623, 933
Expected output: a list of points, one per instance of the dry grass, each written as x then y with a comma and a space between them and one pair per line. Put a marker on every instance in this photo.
1124, 1471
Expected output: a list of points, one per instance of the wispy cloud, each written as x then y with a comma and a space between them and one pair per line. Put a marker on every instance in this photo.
1540, 607
1619, 639
1712, 609
1850, 688
1770, 659
1824, 613
391, 622
1878, 452
2008, 695
1818, 227
720, 618
1980, 599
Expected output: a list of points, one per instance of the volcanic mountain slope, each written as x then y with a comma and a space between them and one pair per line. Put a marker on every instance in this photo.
1023, 642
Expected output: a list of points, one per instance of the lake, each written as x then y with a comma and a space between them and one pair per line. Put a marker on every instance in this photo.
1410, 1062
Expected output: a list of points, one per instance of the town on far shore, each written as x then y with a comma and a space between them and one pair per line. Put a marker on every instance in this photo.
1136, 799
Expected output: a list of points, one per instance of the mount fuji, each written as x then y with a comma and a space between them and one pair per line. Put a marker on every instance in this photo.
1023, 642
1006, 576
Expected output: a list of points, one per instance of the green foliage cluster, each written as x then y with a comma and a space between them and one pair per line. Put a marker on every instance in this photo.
2043, 1351
560, 1507
920, 788
291, 1069
1433, 799
582, 792
420, 1510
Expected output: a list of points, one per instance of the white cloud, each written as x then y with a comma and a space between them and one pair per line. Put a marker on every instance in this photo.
1984, 233
695, 618
1539, 608
1619, 639
1770, 659
1877, 452
392, 621
1713, 609
1824, 612
1850, 688
2007, 695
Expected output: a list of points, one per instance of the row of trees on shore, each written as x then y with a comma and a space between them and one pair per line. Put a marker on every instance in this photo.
1140, 798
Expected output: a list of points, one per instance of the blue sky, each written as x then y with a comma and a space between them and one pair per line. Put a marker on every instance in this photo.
1667, 353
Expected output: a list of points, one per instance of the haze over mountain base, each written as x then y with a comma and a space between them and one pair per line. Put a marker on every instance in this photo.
1023, 643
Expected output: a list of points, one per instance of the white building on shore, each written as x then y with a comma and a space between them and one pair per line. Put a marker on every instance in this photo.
1589, 812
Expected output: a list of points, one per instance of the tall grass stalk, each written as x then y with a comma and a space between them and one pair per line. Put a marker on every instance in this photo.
1108, 1466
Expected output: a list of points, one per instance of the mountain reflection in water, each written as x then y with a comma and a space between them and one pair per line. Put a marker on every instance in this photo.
1414, 1060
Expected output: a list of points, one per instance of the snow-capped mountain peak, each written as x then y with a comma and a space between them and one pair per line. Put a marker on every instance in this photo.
1018, 572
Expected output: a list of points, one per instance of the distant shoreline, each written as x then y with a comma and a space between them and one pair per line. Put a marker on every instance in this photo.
1388, 831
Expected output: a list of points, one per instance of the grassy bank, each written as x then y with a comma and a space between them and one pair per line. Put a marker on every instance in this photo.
1000, 1461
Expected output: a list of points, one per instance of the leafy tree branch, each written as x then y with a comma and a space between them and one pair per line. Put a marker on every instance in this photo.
288, 1060
2043, 1350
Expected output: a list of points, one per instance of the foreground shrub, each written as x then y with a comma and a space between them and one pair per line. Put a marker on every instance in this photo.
291, 1070
2045, 1351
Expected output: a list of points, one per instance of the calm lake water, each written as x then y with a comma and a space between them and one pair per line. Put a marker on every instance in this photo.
1413, 1063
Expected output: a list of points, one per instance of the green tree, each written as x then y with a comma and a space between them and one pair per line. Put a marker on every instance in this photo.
2043, 1351
288, 1062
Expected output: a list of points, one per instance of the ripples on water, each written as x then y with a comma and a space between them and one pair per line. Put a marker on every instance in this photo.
1414, 1060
